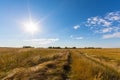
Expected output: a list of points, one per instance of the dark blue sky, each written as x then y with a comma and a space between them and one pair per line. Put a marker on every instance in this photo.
78, 23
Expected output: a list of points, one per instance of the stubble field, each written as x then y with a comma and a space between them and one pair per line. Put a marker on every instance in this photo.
59, 64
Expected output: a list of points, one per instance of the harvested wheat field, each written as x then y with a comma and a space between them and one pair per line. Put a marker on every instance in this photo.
59, 64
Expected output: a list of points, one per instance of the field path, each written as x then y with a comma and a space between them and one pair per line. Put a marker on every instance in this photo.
101, 63
49, 70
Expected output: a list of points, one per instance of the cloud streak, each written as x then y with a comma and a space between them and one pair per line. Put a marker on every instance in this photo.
42, 41
76, 37
114, 35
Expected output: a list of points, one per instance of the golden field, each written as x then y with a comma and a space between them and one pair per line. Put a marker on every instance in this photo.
95, 64
59, 64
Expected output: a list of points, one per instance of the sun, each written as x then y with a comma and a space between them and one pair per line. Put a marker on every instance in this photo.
31, 27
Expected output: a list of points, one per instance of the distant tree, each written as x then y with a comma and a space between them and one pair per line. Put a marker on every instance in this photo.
66, 47
54, 47
50, 47
28, 47
57, 47
73, 47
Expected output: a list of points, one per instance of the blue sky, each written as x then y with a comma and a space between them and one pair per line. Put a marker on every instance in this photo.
79, 23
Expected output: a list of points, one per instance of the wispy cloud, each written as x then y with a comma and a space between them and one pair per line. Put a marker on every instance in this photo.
114, 35
108, 25
42, 41
76, 27
76, 37
105, 30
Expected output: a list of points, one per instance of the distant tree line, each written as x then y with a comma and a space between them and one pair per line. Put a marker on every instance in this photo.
70, 47
54, 47
66, 47
92, 48
61, 48
74, 48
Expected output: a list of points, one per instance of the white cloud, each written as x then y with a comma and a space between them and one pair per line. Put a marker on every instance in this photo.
106, 30
104, 22
92, 21
107, 25
76, 27
42, 41
114, 35
76, 37
97, 21
113, 16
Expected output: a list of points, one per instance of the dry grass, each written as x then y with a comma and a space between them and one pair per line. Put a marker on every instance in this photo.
16, 58
49, 70
56, 64
84, 67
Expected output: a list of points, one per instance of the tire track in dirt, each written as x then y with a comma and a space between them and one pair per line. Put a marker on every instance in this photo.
50, 70
100, 62
104, 72
112, 71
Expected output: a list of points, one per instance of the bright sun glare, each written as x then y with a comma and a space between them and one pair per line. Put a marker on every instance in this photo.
31, 27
